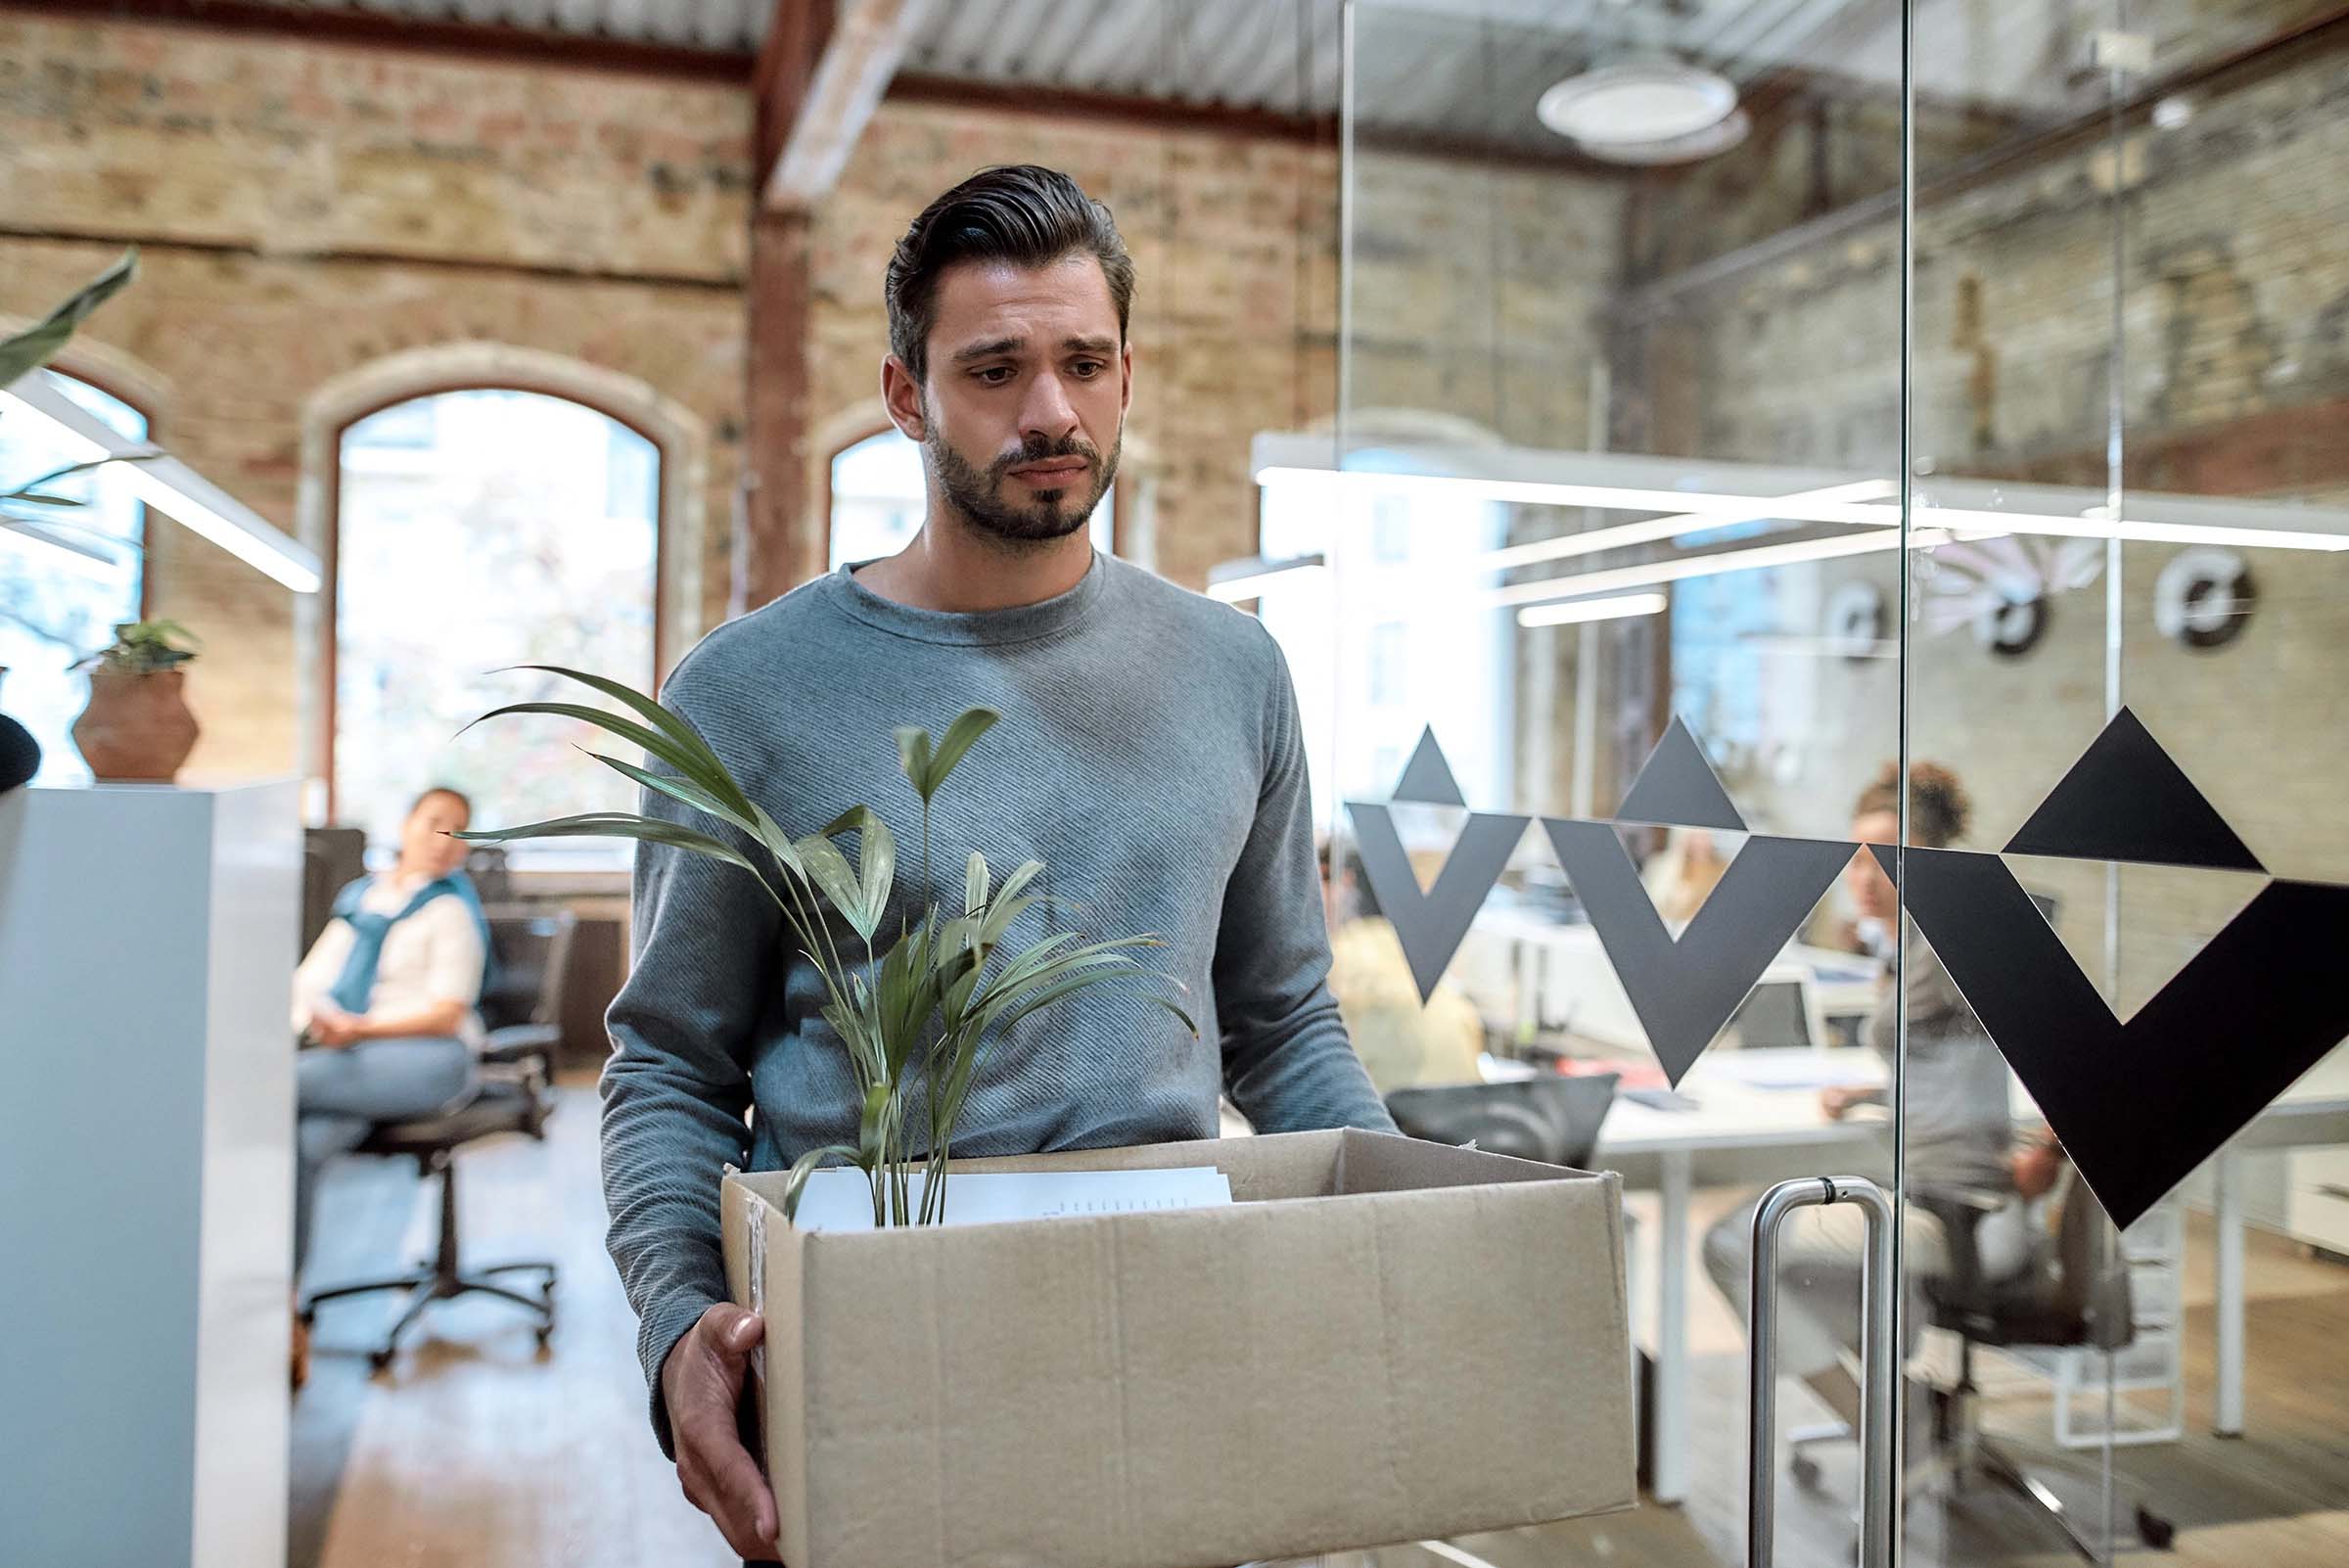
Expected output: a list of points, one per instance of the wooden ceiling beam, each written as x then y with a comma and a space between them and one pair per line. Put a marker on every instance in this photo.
832, 60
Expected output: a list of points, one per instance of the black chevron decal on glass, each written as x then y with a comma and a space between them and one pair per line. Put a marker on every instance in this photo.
2128, 800
1427, 777
1431, 924
1678, 788
1684, 990
2140, 1104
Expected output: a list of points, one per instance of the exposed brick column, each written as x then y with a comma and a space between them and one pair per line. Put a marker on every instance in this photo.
782, 546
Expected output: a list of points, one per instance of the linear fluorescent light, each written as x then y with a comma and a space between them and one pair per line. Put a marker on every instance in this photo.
1696, 509
1968, 523
1582, 585
170, 486
1654, 531
1237, 580
1582, 610
1831, 505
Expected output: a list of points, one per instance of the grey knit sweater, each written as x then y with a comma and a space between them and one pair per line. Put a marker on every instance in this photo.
1149, 754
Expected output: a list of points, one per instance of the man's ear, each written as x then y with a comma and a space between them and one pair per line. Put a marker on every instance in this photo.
901, 393
1126, 371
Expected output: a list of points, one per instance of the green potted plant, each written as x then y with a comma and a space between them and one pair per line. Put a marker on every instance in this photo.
917, 1015
137, 727
31, 506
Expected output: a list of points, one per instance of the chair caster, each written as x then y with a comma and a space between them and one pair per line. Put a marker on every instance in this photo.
2153, 1530
1804, 1470
544, 1334
378, 1360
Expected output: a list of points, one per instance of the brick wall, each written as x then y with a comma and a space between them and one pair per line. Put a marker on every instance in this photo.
2234, 286
307, 211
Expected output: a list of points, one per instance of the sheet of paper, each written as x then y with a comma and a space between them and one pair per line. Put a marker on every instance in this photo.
1795, 1069
843, 1200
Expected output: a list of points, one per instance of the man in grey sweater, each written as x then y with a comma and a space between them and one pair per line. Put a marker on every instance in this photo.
1149, 754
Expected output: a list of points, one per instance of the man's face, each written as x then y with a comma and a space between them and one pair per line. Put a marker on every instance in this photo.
1024, 406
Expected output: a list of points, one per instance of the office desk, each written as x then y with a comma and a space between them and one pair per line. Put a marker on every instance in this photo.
1737, 1136
2312, 1114
1519, 965
1741, 1135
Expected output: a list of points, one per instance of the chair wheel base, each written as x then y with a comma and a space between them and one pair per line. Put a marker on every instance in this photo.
2153, 1530
1805, 1471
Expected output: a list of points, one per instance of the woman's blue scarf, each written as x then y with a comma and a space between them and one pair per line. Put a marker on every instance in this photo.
356, 983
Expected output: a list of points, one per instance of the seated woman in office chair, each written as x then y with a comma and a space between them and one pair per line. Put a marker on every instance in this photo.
1960, 1130
383, 1003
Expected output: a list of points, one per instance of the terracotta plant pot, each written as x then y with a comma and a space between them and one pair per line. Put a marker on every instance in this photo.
137, 729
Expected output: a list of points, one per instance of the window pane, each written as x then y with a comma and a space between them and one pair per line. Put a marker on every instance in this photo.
59, 604
878, 499
477, 531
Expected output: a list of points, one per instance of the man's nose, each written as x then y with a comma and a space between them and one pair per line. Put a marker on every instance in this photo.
1047, 411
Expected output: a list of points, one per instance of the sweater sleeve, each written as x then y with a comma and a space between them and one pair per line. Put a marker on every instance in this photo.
1287, 1060
677, 1089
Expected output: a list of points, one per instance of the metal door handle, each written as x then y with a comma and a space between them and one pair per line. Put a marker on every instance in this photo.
1879, 1358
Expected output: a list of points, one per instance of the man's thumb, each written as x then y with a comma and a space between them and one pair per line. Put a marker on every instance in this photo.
738, 1329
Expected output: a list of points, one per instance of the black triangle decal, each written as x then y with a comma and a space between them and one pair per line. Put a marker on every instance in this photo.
1427, 777
2126, 800
1678, 788
1432, 924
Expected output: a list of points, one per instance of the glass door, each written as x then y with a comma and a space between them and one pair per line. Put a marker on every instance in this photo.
2125, 876
1784, 449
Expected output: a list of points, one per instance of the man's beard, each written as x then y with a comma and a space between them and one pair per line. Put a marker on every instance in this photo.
978, 494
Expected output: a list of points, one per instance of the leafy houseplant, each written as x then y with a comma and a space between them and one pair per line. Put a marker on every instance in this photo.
918, 1016
137, 726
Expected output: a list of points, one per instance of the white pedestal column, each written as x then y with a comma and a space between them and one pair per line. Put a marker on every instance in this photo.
146, 1157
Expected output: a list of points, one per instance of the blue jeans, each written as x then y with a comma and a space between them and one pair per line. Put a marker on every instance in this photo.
340, 1096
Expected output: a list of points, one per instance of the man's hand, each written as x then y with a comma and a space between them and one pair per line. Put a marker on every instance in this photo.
1837, 1100
701, 1383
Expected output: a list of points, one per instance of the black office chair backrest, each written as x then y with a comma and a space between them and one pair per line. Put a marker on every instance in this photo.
486, 865
532, 948
1553, 1119
332, 860
2092, 1270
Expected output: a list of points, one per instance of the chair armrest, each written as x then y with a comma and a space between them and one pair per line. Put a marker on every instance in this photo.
519, 1043
1960, 1211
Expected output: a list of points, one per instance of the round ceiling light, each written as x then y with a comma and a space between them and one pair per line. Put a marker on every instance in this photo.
1712, 140
1633, 102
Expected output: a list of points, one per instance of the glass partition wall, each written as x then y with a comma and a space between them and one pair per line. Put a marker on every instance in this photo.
1744, 406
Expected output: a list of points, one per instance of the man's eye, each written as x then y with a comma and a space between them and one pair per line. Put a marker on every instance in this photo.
995, 375
1088, 367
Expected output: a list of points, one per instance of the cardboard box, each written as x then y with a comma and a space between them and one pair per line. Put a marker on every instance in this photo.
1380, 1340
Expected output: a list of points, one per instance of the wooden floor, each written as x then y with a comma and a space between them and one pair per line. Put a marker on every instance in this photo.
478, 1451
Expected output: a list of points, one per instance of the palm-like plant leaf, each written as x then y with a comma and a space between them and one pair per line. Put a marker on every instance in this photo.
706, 767
617, 825
913, 757
39, 342
959, 738
973, 884
804, 1167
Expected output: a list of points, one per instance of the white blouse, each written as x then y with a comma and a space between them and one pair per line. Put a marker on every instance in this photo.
434, 955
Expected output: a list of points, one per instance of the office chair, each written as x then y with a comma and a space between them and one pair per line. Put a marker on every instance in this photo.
2073, 1293
1553, 1119
332, 858
514, 1096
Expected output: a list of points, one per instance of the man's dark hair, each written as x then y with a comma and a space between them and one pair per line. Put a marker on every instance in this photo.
1020, 213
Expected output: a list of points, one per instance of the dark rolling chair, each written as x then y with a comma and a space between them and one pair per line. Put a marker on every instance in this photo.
532, 951
1553, 1119
2074, 1294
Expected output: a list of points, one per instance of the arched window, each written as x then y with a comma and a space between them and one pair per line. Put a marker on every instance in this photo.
69, 574
475, 530
878, 500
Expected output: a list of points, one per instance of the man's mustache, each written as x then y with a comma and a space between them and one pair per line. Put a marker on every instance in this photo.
1037, 448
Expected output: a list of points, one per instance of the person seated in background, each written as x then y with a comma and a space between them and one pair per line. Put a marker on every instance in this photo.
1401, 1040
1961, 1129
384, 1001
1681, 876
